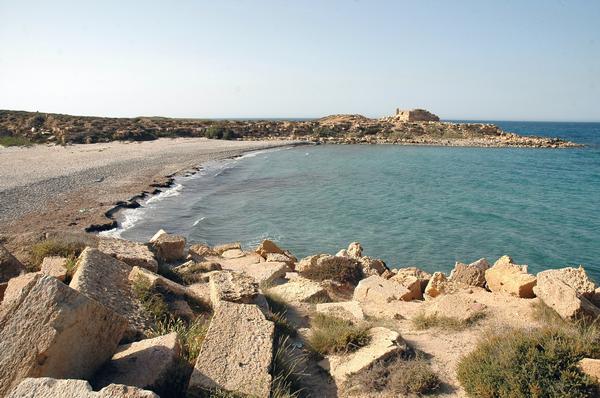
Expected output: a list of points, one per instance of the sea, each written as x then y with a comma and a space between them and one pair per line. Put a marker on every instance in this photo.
418, 206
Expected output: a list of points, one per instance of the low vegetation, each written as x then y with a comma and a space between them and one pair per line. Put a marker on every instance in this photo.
287, 370
531, 363
53, 247
152, 301
14, 141
335, 335
191, 335
422, 322
397, 375
343, 274
278, 310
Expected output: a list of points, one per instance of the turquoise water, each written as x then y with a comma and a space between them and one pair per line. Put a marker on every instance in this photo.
423, 206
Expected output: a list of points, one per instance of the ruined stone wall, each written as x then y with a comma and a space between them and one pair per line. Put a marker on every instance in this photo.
415, 115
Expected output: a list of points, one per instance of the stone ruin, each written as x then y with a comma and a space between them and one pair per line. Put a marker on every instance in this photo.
415, 115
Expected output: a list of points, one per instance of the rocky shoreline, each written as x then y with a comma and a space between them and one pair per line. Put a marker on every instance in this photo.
104, 317
334, 129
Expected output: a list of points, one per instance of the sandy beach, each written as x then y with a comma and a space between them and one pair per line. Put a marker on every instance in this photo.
72, 187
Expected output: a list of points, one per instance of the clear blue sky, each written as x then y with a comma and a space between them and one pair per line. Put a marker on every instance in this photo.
501, 60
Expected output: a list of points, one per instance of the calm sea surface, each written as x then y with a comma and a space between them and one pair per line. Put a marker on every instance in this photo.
423, 206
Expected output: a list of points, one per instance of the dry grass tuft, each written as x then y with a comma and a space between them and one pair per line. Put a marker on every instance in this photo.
422, 322
52, 247
395, 376
335, 335
191, 335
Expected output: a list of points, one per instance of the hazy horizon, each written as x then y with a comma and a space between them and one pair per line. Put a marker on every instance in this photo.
469, 60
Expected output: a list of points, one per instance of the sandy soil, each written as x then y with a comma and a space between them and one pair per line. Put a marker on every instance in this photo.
44, 188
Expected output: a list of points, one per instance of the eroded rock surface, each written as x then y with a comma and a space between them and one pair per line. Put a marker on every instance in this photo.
237, 352
380, 290
508, 277
45, 387
131, 253
49, 329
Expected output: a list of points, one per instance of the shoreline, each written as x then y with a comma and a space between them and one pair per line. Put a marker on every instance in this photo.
52, 188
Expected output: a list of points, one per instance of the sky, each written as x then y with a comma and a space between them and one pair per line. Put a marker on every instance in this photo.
478, 60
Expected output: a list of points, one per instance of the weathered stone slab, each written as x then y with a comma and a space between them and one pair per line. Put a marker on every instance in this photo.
237, 352
131, 253
55, 267
200, 251
157, 280
147, 364
472, 274
384, 343
267, 272
418, 273
372, 266
236, 264
168, 248
590, 367
349, 310
569, 301
507, 277
233, 253
457, 306
299, 289
380, 290
45, 387
106, 280
49, 329
281, 258
232, 286
9, 265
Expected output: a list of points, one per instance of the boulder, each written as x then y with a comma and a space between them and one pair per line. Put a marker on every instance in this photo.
281, 258
372, 266
50, 330
231, 286
149, 364
507, 277
10, 267
380, 290
299, 289
168, 248
472, 274
200, 251
410, 282
236, 353
268, 247
105, 279
384, 343
566, 291
233, 253
55, 267
267, 272
343, 253
354, 250
590, 367
237, 264
45, 387
220, 249
457, 306
131, 253
439, 284
349, 310
418, 273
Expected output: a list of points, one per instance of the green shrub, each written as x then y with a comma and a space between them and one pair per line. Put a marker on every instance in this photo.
339, 273
530, 363
152, 301
14, 141
334, 335
422, 322
52, 247
396, 375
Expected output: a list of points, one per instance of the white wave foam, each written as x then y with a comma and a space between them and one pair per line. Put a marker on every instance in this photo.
198, 221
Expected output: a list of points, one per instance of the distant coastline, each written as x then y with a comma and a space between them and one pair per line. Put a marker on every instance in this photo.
423, 128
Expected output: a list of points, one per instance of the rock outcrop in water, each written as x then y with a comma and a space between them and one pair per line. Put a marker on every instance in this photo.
413, 127
211, 320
